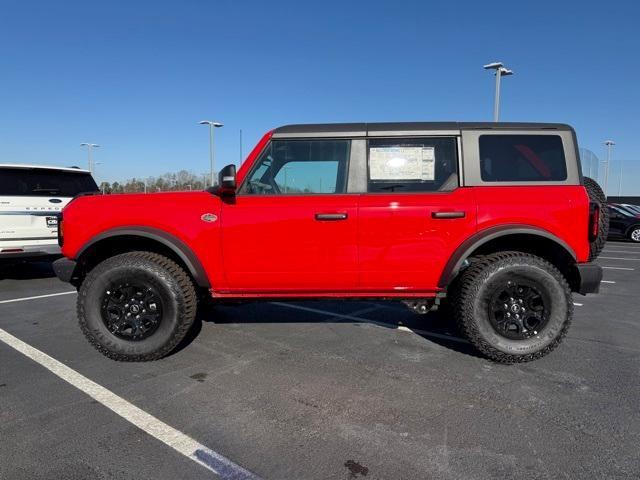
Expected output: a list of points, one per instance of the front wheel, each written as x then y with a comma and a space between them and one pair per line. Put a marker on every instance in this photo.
512, 306
136, 306
634, 234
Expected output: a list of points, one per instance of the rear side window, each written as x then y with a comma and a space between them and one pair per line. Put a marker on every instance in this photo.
412, 165
43, 182
522, 158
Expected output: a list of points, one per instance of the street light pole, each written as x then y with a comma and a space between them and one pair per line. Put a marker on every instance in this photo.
620, 181
501, 71
90, 147
609, 144
496, 101
212, 126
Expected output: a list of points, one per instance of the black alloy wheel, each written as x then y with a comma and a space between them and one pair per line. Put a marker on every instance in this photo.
132, 311
517, 310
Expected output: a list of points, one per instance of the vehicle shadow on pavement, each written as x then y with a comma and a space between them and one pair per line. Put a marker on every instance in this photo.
435, 327
25, 270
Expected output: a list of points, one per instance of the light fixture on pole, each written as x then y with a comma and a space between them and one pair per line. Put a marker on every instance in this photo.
609, 144
90, 147
212, 125
501, 71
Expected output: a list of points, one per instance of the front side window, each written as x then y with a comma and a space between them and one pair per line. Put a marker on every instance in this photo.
518, 158
290, 167
412, 165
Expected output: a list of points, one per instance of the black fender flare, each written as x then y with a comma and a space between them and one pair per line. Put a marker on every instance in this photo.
170, 241
465, 249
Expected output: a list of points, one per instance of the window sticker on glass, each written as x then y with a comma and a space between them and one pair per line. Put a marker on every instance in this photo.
402, 163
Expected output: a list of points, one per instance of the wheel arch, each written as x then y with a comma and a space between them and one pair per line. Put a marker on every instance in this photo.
524, 238
120, 240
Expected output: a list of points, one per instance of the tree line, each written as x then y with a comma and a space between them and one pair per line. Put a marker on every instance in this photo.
182, 180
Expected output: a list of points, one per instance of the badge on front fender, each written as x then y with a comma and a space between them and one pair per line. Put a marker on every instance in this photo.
209, 217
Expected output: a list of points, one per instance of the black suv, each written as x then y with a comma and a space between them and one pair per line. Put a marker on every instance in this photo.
623, 223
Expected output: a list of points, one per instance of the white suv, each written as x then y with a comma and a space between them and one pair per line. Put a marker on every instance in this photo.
31, 199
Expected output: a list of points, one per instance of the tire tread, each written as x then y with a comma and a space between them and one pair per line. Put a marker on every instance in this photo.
467, 288
186, 313
597, 195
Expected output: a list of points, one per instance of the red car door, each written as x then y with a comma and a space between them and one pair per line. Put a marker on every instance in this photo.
413, 215
291, 228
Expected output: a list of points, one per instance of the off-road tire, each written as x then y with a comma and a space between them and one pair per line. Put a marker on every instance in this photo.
597, 195
174, 287
472, 295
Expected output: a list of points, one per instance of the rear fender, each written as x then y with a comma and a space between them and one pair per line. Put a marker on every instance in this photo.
464, 251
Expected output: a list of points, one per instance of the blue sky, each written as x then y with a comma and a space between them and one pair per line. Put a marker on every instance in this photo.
137, 76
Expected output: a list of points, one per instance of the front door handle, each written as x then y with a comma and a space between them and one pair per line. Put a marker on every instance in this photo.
331, 217
457, 214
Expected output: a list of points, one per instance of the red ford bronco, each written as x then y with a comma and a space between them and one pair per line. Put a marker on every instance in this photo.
495, 220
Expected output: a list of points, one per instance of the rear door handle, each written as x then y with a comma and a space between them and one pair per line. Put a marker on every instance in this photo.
331, 217
448, 214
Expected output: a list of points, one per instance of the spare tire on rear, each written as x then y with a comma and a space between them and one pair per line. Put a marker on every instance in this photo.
597, 195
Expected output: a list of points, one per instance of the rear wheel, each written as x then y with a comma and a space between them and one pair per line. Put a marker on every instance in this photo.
512, 306
136, 306
597, 195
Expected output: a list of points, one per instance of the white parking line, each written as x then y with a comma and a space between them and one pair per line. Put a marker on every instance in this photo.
618, 268
607, 281
24, 299
578, 304
621, 251
175, 439
374, 322
621, 258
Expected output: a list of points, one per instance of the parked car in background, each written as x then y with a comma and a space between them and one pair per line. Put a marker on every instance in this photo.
624, 223
31, 199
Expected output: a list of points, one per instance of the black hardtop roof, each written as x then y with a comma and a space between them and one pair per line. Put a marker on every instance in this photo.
395, 128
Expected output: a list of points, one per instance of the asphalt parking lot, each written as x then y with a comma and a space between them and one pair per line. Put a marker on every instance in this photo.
319, 390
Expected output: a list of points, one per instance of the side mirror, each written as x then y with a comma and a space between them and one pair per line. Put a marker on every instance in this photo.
227, 180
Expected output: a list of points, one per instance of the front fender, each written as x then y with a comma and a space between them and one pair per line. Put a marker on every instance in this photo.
181, 249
